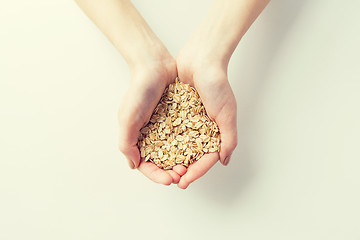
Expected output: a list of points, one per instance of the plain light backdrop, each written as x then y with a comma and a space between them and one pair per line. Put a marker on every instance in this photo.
295, 174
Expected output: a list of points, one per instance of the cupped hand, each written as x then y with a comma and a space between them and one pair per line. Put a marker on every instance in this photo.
210, 80
148, 83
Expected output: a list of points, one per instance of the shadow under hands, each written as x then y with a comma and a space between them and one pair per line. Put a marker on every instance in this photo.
224, 185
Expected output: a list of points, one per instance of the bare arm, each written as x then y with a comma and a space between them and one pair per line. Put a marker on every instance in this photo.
203, 63
152, 68
126, 29
224, 25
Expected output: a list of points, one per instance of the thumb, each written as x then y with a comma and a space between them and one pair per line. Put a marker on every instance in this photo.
133, 113
132, 155
228, 133
128, 137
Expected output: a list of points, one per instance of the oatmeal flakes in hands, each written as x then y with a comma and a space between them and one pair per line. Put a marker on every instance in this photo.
179, 130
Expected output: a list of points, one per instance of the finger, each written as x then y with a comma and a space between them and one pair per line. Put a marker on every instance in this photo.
154, 173
128, 136
180, 169
226, 121
174, 175
129, 126
198, 169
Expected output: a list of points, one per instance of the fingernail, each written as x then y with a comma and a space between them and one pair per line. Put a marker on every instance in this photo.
227, 160
131, 164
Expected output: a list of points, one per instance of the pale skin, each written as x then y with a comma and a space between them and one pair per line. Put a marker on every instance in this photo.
202, 63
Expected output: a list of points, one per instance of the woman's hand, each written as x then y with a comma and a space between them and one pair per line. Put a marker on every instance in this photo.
210, 80
202, 63
152, 69
148, 83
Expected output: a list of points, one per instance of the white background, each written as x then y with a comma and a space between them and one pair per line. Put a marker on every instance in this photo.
296, 171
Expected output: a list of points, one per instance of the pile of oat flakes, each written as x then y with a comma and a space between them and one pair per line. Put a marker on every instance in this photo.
179, 131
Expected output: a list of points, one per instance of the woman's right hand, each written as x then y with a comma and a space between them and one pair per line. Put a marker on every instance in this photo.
149, 80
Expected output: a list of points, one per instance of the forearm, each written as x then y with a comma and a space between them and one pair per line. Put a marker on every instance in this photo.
225, 24
125, 28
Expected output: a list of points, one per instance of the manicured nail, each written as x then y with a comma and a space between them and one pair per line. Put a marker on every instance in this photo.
131, 164
227, 160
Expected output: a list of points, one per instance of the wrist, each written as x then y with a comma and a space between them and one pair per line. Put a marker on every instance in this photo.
148, 51
159, 67
145, 51
133, 37
194, 58
207, 47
